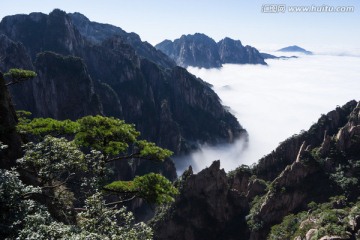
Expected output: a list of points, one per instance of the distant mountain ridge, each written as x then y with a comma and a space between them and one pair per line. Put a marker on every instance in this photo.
199, 50
295, 49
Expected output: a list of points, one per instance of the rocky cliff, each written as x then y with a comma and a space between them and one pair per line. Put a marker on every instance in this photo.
8, 134
100, 69
206, 209
199, 50
313, 192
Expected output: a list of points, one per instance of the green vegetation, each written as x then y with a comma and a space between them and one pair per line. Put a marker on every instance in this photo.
15, 75
112, 137
252, 219
68, 162
152, 187
332, 218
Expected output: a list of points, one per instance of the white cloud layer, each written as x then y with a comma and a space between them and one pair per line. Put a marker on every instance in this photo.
274, 102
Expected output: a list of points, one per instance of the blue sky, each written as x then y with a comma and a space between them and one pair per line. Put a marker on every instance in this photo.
169, 19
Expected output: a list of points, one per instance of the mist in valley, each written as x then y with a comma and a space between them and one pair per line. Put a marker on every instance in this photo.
275, 102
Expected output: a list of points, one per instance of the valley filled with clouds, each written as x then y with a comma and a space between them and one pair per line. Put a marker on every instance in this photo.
275, 102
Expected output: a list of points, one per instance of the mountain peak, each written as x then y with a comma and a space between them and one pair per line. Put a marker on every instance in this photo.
57, 12
79, 16
294, 48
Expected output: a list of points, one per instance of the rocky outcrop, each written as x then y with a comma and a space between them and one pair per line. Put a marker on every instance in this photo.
206, 209
112, 72
199, 50
348, 135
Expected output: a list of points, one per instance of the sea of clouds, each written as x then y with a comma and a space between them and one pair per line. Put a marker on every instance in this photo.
275, 102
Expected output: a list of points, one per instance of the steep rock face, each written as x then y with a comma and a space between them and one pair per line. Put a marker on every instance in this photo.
199, 50
196, 50
40, 32
293, 189
287, 151
14, 55
123, 82
232, 51
216, 211
8, 135
349, 134
63, 88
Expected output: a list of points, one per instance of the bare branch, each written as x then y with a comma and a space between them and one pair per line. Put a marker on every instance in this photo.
121, 201
134, 155
59, 184
131, 156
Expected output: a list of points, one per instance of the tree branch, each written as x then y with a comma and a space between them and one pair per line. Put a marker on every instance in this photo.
121, 201
134, 155
120, 192
16, 81
59, 184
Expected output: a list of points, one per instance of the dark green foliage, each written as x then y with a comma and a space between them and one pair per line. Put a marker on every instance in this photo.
254, 223
288, 227
344, 180
16, 75
150, 151
242, 168
41, 127
152, 187
106, 134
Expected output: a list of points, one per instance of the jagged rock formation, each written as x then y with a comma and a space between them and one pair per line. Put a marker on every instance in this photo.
110, 72
206, 209
199, 50
311, 167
